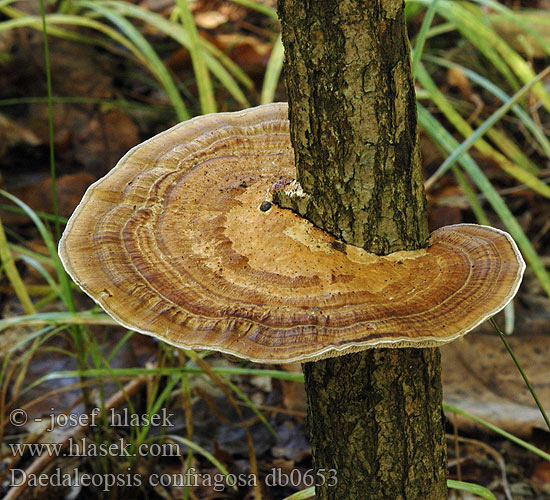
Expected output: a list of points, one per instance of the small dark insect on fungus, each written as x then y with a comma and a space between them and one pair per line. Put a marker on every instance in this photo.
338, 245
265, 206
171, 243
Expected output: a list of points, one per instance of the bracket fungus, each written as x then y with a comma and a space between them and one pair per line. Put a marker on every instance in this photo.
181, 241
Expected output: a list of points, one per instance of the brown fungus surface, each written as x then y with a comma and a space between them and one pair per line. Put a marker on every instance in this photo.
180, 241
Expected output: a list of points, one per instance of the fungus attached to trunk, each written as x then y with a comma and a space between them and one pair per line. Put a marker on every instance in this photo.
180, 241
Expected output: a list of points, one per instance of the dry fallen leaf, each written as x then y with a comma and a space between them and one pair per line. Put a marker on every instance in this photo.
13, 134
210, 20
457, 78
245, 50
480, 377
541, 476
294, 394
38, 195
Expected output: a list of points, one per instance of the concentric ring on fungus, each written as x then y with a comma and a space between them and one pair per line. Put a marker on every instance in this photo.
173, 243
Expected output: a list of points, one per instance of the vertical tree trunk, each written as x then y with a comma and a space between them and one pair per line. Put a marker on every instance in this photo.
374, 416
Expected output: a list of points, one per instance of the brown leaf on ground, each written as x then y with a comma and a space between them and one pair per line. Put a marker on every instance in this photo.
480, 377
541, 476
523, 42
13, 134
156, 5
246, 51
293, 393
210, 20
38, 196
445, 204
105, 139
85, 134
431, 155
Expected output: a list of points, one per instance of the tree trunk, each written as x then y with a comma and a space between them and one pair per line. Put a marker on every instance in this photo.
375, 416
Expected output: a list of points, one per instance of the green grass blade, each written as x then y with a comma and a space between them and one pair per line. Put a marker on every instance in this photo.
110, 103
251, 405
517, 18
258, 7
202, 77
58, 318
50, 120
464, 128
475, 489
45, 260
302, 495
213, 58
51, 330
472, 29
440, 29
20, 20
199, 449
9, 267
458, 485
422, 34
522, 373
45, 274
486, 125
521, 68
166, 371
498, 430
509, 318
511, 150
278, 374
119, 345
273, 72
154, 405
155, 65
472, 198
50, 245
43, 215
530, 125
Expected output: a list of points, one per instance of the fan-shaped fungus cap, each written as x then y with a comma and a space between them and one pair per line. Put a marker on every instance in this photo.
180, 241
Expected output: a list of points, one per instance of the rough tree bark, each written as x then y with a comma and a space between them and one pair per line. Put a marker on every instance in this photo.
375, 416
